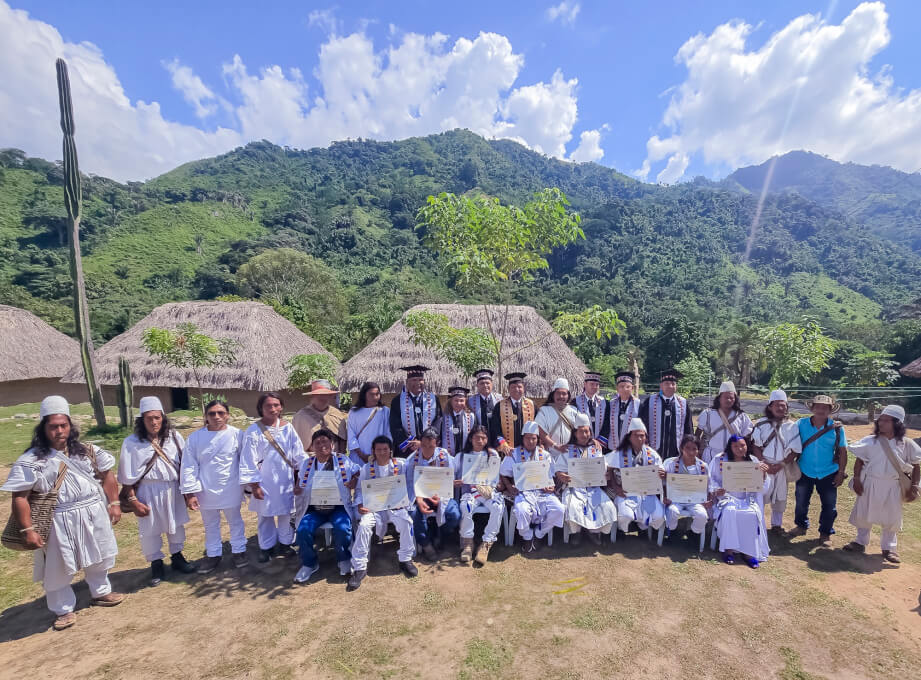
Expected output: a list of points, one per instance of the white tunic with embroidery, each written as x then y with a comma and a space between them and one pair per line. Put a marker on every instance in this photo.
261, 463
589, 507
881, 500
555, 424
159, 489
739, 517
211, 468
363, 425
711, 424
786, 440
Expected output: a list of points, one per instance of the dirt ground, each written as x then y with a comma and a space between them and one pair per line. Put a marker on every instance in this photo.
627, 610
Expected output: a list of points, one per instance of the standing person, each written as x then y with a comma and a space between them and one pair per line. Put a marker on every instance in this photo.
646, 511
474, 497
81, 534
592, 404
555, 418
510, 415
270, 456
882, 458
739, 516
412, 411
687, 464
722, 420
149, 463
315, 516
666, 416
586, 507
484, 400
456, 422
823, 463
320, 412
443, 510
775, 440
382, 464
536, 507
368, 420
210, 473
621, 411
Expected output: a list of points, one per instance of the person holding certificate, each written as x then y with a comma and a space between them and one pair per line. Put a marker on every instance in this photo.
687, 502
739, 512
390, 507
479, 476
327, 480
525, 474
582, 471
635, 496
434, 493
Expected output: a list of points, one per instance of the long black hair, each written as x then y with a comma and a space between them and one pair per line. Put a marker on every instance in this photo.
625, 441
268, 395
363, 394
572, 437
42, 444
477, 429
727, 450
898, 428
140, 429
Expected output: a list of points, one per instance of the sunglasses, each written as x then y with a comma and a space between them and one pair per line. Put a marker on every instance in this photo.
216, 413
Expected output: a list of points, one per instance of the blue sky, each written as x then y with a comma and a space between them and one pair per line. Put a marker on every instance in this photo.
741, 92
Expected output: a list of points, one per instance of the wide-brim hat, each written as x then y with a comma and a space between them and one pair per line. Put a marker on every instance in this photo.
824, 399
320, 387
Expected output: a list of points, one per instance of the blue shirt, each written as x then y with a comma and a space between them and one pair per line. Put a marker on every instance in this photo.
818, 459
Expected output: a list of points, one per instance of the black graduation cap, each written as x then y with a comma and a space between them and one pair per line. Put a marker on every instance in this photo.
415, 371
624, 376
483, 373
458, 391
671, 374
515, 377
592, 376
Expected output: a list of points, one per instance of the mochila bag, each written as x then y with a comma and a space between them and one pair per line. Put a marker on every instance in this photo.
41, 507
791, 469
794, 472
904, 478
128, 493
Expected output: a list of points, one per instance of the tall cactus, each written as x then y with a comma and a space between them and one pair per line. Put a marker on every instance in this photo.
125, 393
73, 196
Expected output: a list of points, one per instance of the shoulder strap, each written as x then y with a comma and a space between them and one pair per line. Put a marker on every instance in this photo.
890, 454
268, 435
823, 431
158, 451
368, 421
62, 471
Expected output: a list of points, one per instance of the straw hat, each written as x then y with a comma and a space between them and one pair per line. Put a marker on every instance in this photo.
824, 399
321, 387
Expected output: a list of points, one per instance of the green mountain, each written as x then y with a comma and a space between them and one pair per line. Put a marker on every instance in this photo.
675, 262
887, 201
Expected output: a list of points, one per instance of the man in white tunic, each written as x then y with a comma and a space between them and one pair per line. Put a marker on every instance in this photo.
368, 420
555, 418
881, 459
149, 464
211, 483
646, 511
722, 420
775, 440
270, 456
81, 531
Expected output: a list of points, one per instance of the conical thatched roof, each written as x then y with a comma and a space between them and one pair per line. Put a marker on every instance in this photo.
31, 349
266, 339
912, 370
544, 362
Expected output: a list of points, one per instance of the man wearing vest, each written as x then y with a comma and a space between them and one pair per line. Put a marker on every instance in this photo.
621, 411
412, 411
483, 402
666, 416
510, 414
823, 463
592, 404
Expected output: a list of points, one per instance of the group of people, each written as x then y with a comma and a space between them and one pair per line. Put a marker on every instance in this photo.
584, 463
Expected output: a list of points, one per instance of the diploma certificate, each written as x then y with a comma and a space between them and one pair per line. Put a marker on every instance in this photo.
434, 481
686, 488
641, 481
534, 474
384, 493
586, 472
481, 469
742, 477
324, 488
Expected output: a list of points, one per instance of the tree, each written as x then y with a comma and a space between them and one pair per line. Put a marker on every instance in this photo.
869, 369
185, 347
743, 346
696, 373
467, 348
795, 352
303, 369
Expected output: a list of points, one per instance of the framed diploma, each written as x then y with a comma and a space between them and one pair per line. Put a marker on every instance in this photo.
434, 481
586, 472
742, 477
481, 469
324, 488
534, 474
686, 488
384, 493
641, 481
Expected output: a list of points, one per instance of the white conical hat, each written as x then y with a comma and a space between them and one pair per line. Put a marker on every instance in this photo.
727, 386
778, 395
894, 411
150, 404
636, 424
530, 427
54, 405
581, 420
561, 384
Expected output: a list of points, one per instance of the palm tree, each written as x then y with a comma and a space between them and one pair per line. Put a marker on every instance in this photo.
742, 345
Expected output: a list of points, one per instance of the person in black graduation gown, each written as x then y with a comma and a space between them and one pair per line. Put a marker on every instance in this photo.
664, 436
412, 411
593, 404
483, 401
622, 408
509, 415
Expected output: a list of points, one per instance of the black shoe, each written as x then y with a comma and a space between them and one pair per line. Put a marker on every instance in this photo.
156, 572
240, 560
264, 556
409, 568
285, 551
179, 563
356, 578
208, 564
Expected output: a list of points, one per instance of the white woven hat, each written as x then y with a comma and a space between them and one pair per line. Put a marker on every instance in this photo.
561, 384
54, 405
581, 420
635, 425
894, 411
530, 427
727, 386
150, 404
778, 395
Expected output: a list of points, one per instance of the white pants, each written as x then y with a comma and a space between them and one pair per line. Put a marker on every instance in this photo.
536, 507
152, 545
212, 521
495, 506
697, 512
777, 510
645, 511
272, 530
887, 541
62, 600
362, 545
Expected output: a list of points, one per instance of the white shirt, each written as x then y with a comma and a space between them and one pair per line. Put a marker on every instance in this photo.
211, 468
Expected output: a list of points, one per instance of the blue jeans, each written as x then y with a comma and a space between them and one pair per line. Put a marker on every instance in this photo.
828, 495
421, 525
342, 534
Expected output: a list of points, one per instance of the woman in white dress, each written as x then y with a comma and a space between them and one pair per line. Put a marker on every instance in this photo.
876, 481
149, 462
367, 420
587, 508
739, 516
646, 511
81, 532
722, 420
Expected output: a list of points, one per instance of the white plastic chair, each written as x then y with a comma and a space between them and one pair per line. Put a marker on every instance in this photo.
511, 528
703, 535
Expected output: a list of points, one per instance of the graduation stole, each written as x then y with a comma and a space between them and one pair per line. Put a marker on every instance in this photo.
701, 466
633, 408
644, 458
582, 406
312, 464
467, 420
409, 416
507, 417
523, 456
590, 451
439, 459
476, 404
655, 415
391, 465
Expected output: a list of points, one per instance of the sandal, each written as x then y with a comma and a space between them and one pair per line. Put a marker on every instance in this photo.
892, 556
856, 547
64, 621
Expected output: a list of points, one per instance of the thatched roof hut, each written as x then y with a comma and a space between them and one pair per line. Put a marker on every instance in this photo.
912, 370
546, 361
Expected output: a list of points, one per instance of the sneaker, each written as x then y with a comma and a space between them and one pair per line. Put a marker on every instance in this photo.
428, 551
825, 540
285, 551
209, 564
110, 600
304, 573
179, 563
64, 621
892, 556
156, 572
345, 567
240, 560
409, 568
466, 550
797, 531
856, 547
482, 553
356, 578
264, 556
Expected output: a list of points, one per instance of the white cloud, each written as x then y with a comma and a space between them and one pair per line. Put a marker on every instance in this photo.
589, 148
808, 87
193, 90
565, 12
